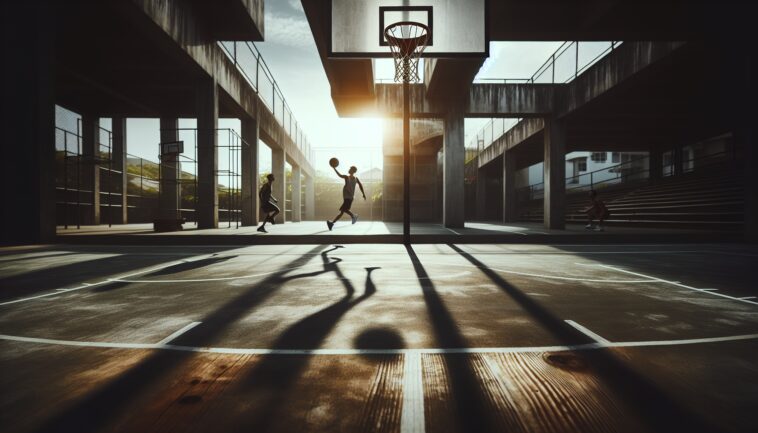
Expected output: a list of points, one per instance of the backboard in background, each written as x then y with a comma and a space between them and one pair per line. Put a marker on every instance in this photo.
458, 28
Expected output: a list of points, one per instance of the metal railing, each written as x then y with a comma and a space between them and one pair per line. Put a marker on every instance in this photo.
637, 169
250, 63
569, 61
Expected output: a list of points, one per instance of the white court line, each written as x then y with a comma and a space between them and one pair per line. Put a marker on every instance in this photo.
464, 350
684, 286
451, 230
412, 416
87, 285
587, 332
176, 334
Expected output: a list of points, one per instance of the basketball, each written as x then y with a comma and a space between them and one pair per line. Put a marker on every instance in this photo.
334, 162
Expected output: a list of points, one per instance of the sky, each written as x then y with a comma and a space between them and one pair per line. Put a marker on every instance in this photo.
290, 53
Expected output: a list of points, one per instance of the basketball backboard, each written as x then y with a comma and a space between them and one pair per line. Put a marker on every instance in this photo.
458, 28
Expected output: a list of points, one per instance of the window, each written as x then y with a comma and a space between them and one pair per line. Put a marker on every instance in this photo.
615, 157
599, 156
581, 165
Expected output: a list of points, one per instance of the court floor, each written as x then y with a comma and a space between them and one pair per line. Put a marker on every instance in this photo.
429, 338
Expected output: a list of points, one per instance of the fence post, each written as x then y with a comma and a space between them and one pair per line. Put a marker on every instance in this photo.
552, 63
576, 66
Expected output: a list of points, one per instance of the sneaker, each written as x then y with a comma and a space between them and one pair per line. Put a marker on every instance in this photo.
599, 229
588, 227
330, 225
355, 218
262, 229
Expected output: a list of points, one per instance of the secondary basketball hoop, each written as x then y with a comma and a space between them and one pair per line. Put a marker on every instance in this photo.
407, 40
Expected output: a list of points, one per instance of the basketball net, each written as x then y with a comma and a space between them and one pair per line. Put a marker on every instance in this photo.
407, 40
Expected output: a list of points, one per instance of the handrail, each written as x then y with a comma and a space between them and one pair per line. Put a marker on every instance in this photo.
278, 104
539, 186
548, 65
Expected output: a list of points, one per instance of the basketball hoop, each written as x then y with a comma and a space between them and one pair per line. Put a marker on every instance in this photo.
407, 40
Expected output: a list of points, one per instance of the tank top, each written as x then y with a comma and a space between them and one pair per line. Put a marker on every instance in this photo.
348, 191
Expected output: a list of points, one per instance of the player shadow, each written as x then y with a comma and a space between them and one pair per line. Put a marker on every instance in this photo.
652, 405
472, 412
106, 404
272, 379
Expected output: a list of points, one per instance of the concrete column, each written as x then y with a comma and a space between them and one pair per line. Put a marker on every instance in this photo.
296, 194
310, 199
655, 163
90, 169
27, 168
555, 173
207, 154
509, 187
168, 206
118, 154
279, 188
453, 197
481, 194
249, 162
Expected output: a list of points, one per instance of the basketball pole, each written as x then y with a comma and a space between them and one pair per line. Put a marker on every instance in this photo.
406, 157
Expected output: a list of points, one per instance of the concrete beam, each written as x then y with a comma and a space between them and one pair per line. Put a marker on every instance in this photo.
296, 194
249, 163
207, 154
279, 187
555, 173
484, 100
118, 154
450, 79
453, 196
175, 21
511, 139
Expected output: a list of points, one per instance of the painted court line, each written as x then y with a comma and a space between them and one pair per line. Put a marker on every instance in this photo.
310, 352
684, 286
587, 332
87, 285
176, 334
412, 416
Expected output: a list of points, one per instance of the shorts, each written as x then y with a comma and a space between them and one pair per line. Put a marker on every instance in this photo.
269, 207
346, 203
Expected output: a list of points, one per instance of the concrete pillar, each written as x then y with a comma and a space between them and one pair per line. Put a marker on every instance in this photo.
296, 194
207, 154
509, 187
168, 205
27, 167
118, 154
279, 188
655, 163
90, 170
481, 194
453, 197
310, 199
249, 163
555, 173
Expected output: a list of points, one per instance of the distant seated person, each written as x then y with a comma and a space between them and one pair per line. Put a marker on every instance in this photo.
596, 211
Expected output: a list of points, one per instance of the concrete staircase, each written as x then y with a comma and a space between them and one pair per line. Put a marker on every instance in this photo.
711, 199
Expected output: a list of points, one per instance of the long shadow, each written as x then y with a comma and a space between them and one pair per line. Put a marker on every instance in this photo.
105, 404
470, 404
275, 375
170, 270
44, 279
46, 256
654, 407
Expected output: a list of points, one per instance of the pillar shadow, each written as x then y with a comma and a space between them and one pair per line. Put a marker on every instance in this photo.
95, 410
469, 403
653, 406
275, 375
